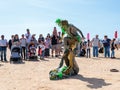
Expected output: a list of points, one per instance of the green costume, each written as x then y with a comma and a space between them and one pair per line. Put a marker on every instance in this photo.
70, 42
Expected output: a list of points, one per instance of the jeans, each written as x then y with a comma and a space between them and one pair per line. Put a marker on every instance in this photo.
43, 54
107, 51
112, 53
95, 51
3, 52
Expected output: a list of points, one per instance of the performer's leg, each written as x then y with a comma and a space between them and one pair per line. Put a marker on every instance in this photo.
64, 57
75, 67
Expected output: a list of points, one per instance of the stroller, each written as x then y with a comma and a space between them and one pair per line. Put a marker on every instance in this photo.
15, 55
31, 54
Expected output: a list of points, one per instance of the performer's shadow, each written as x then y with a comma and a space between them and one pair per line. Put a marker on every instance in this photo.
93, 83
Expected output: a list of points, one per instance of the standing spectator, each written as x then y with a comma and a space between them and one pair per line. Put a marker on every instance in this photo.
32, 49
54, 42
88, 48
41, 50
3, 47
49, 38
106, 45
48, 35
27, 44
95, 44
41, 38
47, 46
28, 34
10, 42
16, 40
59, 45
23, 43
113, 48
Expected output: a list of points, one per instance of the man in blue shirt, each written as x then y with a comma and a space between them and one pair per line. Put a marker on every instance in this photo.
106, 45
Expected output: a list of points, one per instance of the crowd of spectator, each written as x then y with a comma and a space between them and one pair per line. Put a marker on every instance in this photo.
43, 44
106, 46
53, 43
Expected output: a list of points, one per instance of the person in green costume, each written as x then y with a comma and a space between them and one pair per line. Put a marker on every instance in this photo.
74, 36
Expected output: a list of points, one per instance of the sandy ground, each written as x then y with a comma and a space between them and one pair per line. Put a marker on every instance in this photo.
94, 74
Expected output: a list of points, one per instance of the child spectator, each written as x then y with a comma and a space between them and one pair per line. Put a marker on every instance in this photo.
32, 49
47, 46
41, 50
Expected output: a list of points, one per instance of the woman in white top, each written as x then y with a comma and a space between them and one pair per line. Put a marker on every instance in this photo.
23, 43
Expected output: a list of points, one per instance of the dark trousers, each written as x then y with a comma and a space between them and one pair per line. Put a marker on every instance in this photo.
88, 53
23, 52
3, 51
47, 52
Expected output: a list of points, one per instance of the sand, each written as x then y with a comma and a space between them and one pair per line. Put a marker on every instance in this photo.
94, 74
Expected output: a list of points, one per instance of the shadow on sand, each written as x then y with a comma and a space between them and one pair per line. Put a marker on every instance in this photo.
1, 65
93, 83
17, 62
45, 60
38, 60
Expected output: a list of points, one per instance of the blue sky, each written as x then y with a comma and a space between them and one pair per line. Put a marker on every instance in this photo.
91, 16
